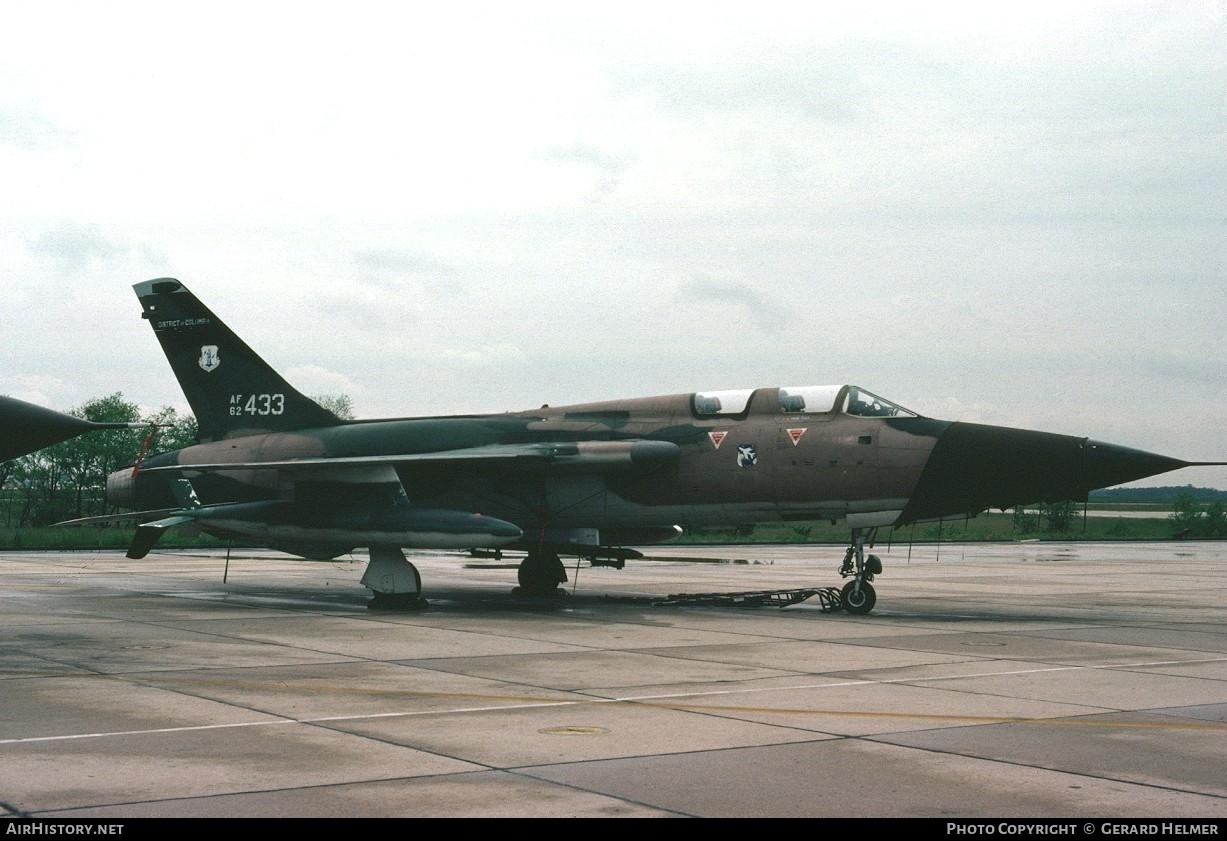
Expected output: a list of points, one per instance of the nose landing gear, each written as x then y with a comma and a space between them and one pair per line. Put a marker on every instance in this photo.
858, 595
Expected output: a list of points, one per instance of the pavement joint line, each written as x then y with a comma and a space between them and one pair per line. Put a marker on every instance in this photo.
620, 797
287, 612
880, 739
516, 772
321, 725
935, 678
173, 625
245, 792
633, 699
150, 732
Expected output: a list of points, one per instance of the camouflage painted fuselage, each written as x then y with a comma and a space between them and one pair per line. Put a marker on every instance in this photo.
275, 466
762, 465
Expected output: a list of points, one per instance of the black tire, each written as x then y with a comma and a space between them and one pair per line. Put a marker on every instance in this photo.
858, 603
541, 573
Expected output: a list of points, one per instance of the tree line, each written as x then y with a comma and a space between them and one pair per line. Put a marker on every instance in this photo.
1193, 519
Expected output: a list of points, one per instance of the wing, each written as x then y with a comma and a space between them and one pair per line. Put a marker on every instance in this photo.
587, 455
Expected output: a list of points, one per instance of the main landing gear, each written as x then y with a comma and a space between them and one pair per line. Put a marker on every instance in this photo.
395, 583
857, 595
540, 573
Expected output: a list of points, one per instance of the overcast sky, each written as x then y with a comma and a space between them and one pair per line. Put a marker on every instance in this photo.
1007, 213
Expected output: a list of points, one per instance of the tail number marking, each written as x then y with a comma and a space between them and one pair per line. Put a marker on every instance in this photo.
257, 404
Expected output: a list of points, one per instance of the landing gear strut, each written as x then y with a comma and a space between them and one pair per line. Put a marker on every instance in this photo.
857, 595
540, 573
396, 583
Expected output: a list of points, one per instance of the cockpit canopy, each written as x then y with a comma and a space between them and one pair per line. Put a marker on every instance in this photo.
868, 405
809, 399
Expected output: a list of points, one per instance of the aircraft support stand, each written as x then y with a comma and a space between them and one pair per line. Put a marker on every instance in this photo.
858, 595
396, 583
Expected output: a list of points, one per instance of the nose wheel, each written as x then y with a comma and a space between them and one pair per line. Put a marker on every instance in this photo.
858, 595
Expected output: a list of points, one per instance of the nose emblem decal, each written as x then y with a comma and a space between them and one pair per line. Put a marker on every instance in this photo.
746, 456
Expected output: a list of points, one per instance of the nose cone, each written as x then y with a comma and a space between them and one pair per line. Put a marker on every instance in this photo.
973, 467
1107, 464
25, 427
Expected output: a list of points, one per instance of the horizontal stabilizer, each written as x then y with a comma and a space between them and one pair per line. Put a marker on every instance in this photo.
148, 534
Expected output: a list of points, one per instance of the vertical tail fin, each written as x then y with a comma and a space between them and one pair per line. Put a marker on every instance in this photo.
232, 391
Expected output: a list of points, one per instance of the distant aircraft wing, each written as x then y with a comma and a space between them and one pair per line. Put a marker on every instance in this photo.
591, 455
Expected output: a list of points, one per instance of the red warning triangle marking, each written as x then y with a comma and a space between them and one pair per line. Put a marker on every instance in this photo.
795, 435
717, 438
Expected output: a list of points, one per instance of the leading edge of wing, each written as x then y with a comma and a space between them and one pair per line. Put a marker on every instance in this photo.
593, 455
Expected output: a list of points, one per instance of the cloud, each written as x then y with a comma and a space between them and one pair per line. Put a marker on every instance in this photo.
608, 167
798, 80
485, 356
958, 409
733, 295
75, 246
25, 127
1018, 205
315, 379
38, 389
403, 261
392, 268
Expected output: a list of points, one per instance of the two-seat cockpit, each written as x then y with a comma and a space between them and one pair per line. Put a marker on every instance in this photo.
812, 399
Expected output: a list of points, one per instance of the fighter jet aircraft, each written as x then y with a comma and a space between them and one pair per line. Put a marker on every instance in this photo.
276, 469
26, 427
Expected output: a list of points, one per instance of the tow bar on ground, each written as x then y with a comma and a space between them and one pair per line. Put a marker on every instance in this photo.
828, 599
